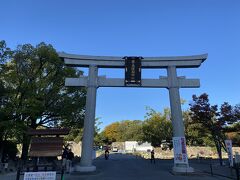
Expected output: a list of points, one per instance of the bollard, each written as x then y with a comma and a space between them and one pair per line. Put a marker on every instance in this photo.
237, 170
35, 168
62, 174
18, 174
211, 169
231, 170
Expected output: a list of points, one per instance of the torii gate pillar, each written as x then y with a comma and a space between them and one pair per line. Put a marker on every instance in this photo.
176, 115
89, 122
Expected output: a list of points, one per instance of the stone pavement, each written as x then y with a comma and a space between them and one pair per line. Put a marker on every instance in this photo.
127, 167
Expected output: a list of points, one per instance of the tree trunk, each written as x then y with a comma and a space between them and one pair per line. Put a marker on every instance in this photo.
2, 144
26, 141
1, 152
25, 147
219, 151
1, 147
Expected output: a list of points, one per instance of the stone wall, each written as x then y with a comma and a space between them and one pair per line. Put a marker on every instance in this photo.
75, 147
193, 152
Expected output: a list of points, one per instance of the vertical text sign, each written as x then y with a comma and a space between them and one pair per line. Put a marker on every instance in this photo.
180, 150
133, 70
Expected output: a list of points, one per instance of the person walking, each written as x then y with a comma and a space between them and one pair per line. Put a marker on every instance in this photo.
106, 153
64, 158
70, 157
152, 156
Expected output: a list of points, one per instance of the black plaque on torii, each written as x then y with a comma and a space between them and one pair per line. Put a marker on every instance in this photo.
133, 70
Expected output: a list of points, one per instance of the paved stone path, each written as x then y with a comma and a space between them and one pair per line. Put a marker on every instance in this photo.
127, 167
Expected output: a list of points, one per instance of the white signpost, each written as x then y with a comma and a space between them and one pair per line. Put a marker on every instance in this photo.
229, 151
47, 175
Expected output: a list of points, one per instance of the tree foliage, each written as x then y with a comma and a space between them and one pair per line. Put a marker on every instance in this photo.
211, 119
6, 126
124, 131
36, 96
157, 127
196, 134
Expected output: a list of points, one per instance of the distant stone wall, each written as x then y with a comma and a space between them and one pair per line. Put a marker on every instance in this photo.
208, 152
193, 152
75, 147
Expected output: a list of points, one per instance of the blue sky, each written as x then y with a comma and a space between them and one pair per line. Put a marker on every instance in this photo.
141, 28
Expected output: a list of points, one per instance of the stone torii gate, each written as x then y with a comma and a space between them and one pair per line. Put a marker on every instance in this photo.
172, 82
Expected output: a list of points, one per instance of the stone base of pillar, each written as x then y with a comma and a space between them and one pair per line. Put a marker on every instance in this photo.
79, 168
182, 169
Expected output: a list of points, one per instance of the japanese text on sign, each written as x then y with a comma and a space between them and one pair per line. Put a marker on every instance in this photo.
133, 70
180, 150
49, 175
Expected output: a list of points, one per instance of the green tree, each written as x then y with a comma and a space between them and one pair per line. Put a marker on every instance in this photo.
195, 132
111, 132
134, 131
5, 53
127, 130
157, 127
213, 120
6, 130
37, 96
100, 139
